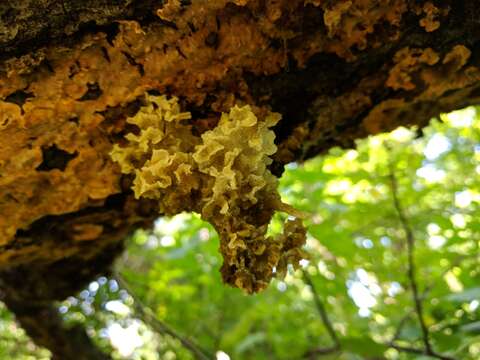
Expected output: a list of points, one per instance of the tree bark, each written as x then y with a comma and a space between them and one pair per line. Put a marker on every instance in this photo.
31, 292
45, 326
72, 71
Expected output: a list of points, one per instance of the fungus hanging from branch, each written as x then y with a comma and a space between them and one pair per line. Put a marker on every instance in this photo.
222, 175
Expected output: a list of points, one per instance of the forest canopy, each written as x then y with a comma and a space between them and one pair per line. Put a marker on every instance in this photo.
392, 270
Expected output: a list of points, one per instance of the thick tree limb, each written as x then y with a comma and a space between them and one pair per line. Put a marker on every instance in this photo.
31, 292
71, 72
45, 326
330, 86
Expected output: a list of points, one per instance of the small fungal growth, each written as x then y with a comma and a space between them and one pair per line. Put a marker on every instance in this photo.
222, 175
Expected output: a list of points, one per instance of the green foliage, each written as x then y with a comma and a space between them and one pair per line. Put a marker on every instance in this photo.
358, 262
14, 343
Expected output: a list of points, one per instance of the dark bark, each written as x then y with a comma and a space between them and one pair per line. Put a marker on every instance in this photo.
332, 87
30, 24
31, 291
45, 326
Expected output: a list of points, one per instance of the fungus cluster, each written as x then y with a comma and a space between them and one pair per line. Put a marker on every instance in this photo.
221, 174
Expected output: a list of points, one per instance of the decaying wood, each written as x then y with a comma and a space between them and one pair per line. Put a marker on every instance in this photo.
71, 72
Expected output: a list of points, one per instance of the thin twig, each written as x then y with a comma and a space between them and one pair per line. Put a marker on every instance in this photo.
414, 350
325, 320
407, 349
149, 318
312, 354
411, 273
400, 326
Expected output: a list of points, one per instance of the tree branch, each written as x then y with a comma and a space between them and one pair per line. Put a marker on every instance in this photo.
411, 273
425, 293
146, 314
414, 350
325, 320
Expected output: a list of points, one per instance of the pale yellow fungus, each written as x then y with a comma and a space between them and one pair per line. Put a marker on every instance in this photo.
223, 175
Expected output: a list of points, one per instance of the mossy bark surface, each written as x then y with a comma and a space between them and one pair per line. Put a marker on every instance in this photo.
72, 72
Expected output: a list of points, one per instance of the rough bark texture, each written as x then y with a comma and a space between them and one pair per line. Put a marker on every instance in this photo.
71, 72
44, 325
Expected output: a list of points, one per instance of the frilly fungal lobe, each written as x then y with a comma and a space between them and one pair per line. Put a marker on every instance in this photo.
221, 174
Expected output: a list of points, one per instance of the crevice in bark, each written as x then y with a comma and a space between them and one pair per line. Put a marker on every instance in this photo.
55, 158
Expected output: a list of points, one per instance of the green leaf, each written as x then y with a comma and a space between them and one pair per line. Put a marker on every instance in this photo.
250, 341
363, 346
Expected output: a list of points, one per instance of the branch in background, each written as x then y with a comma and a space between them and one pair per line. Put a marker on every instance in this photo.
413, 350
148, 317
411, 273
407, 349
325, 320
312, 354
425, 293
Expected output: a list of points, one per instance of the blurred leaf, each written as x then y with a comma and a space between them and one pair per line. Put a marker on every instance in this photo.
363, 346
465, 296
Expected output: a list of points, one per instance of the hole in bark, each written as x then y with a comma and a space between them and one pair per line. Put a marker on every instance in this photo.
116, 201
199, 111
111, 114
55, 158
74, 69
132, 62
449, 93
154, 92
110, 30
114, 119
93, 92
212, 40
30, 142
75, 120
192, 27
402, 115
475, 92
4, 123
277, 168
341, 127
180, 52
48, 66
147, 207
169, 24
105, 54
276, 43
126, 182
19, 97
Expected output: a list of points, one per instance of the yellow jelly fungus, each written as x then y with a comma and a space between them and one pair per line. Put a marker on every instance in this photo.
223, 175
